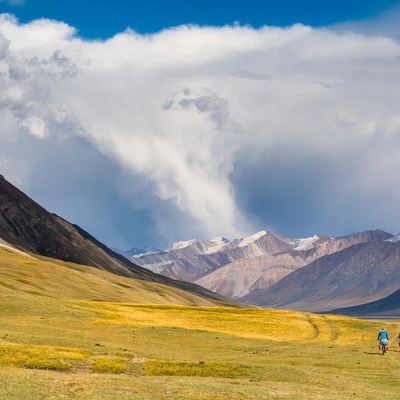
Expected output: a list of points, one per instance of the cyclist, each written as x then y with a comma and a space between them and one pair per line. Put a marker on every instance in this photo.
383, 338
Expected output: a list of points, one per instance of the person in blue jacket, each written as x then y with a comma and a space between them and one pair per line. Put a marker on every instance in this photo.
383, 338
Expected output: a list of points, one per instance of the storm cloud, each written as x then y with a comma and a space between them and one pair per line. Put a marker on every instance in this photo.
203, 131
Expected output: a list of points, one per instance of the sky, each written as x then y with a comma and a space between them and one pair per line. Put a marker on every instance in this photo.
149, 122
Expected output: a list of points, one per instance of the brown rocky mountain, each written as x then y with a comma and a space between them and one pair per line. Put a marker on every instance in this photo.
244, 275
194, 259
236, 268
27, 226
359, 274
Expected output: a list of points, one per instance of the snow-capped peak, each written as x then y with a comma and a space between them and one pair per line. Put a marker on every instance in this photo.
251, 239
181, 244
203, 246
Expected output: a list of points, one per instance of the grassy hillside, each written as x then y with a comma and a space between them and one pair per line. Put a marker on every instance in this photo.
60, 345
50, 277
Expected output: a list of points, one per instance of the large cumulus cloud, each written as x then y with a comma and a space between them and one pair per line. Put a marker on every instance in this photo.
215, 131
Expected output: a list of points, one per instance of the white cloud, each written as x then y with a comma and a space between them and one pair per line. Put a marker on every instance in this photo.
197, 112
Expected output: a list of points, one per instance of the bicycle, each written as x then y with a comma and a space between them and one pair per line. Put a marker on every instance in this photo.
384, 346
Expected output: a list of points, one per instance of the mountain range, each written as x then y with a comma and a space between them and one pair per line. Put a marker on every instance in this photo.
361, 273
318, 273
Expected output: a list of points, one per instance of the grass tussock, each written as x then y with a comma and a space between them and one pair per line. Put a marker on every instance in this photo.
112, 365
200, 369
39, 357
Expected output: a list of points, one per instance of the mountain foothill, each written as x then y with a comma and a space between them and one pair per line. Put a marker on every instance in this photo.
27, 227
358, 274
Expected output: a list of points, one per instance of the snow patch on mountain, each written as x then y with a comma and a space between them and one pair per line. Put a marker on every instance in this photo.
217, 244
181, 244
306, 243
394, 239
147, 253
251, 239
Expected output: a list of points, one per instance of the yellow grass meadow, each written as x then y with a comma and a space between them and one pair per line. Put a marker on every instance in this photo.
57, 344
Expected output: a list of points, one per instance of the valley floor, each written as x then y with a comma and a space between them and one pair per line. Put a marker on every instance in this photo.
67, 349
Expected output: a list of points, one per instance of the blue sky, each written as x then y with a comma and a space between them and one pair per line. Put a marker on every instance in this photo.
205, 119
102, 19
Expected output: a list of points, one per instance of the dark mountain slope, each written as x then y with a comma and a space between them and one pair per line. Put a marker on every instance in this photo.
32, 228
29, 227
387, 307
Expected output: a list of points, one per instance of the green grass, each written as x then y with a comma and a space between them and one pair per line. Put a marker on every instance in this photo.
61, 347
113, 365
175, 368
